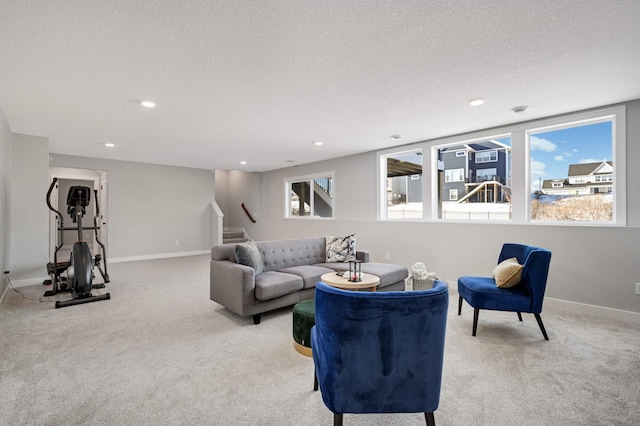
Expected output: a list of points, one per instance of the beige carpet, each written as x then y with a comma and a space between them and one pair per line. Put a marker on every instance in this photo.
161, 353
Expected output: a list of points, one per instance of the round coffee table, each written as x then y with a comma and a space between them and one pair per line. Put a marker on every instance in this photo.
368, 281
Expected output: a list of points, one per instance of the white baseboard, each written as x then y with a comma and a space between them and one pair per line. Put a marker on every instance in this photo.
158, 256
596, 311
574, 307
38, 280
29, 281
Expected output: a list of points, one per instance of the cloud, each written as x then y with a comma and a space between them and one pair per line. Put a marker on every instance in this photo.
559, 158
591, 160
539, 144
537, 168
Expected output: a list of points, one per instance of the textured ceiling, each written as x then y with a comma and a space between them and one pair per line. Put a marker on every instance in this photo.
260, 81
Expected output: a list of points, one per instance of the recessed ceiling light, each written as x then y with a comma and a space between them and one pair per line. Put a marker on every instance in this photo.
476, 102
318, 143
519, 110
148, 104
109, 144
396, 137
243, 162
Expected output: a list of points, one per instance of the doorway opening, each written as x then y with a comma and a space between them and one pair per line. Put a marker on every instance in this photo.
67, 177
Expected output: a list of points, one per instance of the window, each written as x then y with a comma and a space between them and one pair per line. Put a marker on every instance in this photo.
454, 175
486, 174
487, 157
566, 170
310, 197
403, 188
481, 193
581, 153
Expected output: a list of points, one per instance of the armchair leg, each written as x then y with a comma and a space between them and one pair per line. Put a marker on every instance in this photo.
475, 320
337, 419
544, 332
256, 318
315, 380
431, 421
459, 305
519, 316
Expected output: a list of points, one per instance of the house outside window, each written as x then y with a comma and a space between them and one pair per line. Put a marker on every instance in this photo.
487, 157
556, 160
403, 177
454, 175
579, 154
310, 197
482, 192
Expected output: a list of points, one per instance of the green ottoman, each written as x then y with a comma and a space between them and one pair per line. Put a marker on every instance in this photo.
304, 317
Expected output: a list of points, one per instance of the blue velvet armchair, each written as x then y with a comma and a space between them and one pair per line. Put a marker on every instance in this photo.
380, 352
526, 296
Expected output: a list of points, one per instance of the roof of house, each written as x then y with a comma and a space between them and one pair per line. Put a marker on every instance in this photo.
586, 168
476, 146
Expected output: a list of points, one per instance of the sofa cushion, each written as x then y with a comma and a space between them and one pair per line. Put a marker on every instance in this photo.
281, 254
272, 284
340, 249
387, 272
249, 255
310, 274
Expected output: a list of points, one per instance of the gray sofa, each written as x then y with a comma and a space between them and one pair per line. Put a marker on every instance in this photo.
291, 270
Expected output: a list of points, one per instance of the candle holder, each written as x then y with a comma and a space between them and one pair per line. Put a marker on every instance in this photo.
355, 270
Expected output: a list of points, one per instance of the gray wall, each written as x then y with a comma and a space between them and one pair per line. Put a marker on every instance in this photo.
5, 198
151, 206
234, 188
594, 265
29, 214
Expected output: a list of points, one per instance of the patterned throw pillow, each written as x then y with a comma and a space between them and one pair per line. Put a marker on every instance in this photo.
340, 249
249, 255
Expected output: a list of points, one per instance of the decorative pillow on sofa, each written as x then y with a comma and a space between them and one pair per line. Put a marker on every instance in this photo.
508, 273
340, 249
249, 255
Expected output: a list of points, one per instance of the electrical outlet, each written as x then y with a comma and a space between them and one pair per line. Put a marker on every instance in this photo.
177, 242
387, 256
638, 289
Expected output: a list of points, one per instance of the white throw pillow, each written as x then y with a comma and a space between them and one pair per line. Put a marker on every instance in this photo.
508, 273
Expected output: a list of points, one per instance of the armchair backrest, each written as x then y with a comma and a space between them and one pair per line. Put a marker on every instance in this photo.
380, 352
536, 261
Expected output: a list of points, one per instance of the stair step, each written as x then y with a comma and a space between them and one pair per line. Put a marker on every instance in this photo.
233, 234
234, 240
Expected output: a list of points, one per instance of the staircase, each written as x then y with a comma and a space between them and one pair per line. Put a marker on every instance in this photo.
234, 235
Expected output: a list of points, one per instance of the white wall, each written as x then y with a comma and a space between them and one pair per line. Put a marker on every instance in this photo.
593, 265
29, 212
5, 199
151, 206
234, 188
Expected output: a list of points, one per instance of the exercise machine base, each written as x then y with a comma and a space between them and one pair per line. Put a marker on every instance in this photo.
80, 301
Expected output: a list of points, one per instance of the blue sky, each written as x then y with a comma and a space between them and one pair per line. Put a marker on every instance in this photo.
553, 151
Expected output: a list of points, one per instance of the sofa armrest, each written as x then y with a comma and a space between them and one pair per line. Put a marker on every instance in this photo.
233, 286
362, 255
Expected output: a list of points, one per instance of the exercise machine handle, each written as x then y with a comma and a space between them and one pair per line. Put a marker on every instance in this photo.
53, 184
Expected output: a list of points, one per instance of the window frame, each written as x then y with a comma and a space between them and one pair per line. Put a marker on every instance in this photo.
308, 178
520, 168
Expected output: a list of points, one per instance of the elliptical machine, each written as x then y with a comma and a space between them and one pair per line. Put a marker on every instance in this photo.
79, 268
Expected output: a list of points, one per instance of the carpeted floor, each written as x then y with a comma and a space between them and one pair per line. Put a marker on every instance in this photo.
161, 353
